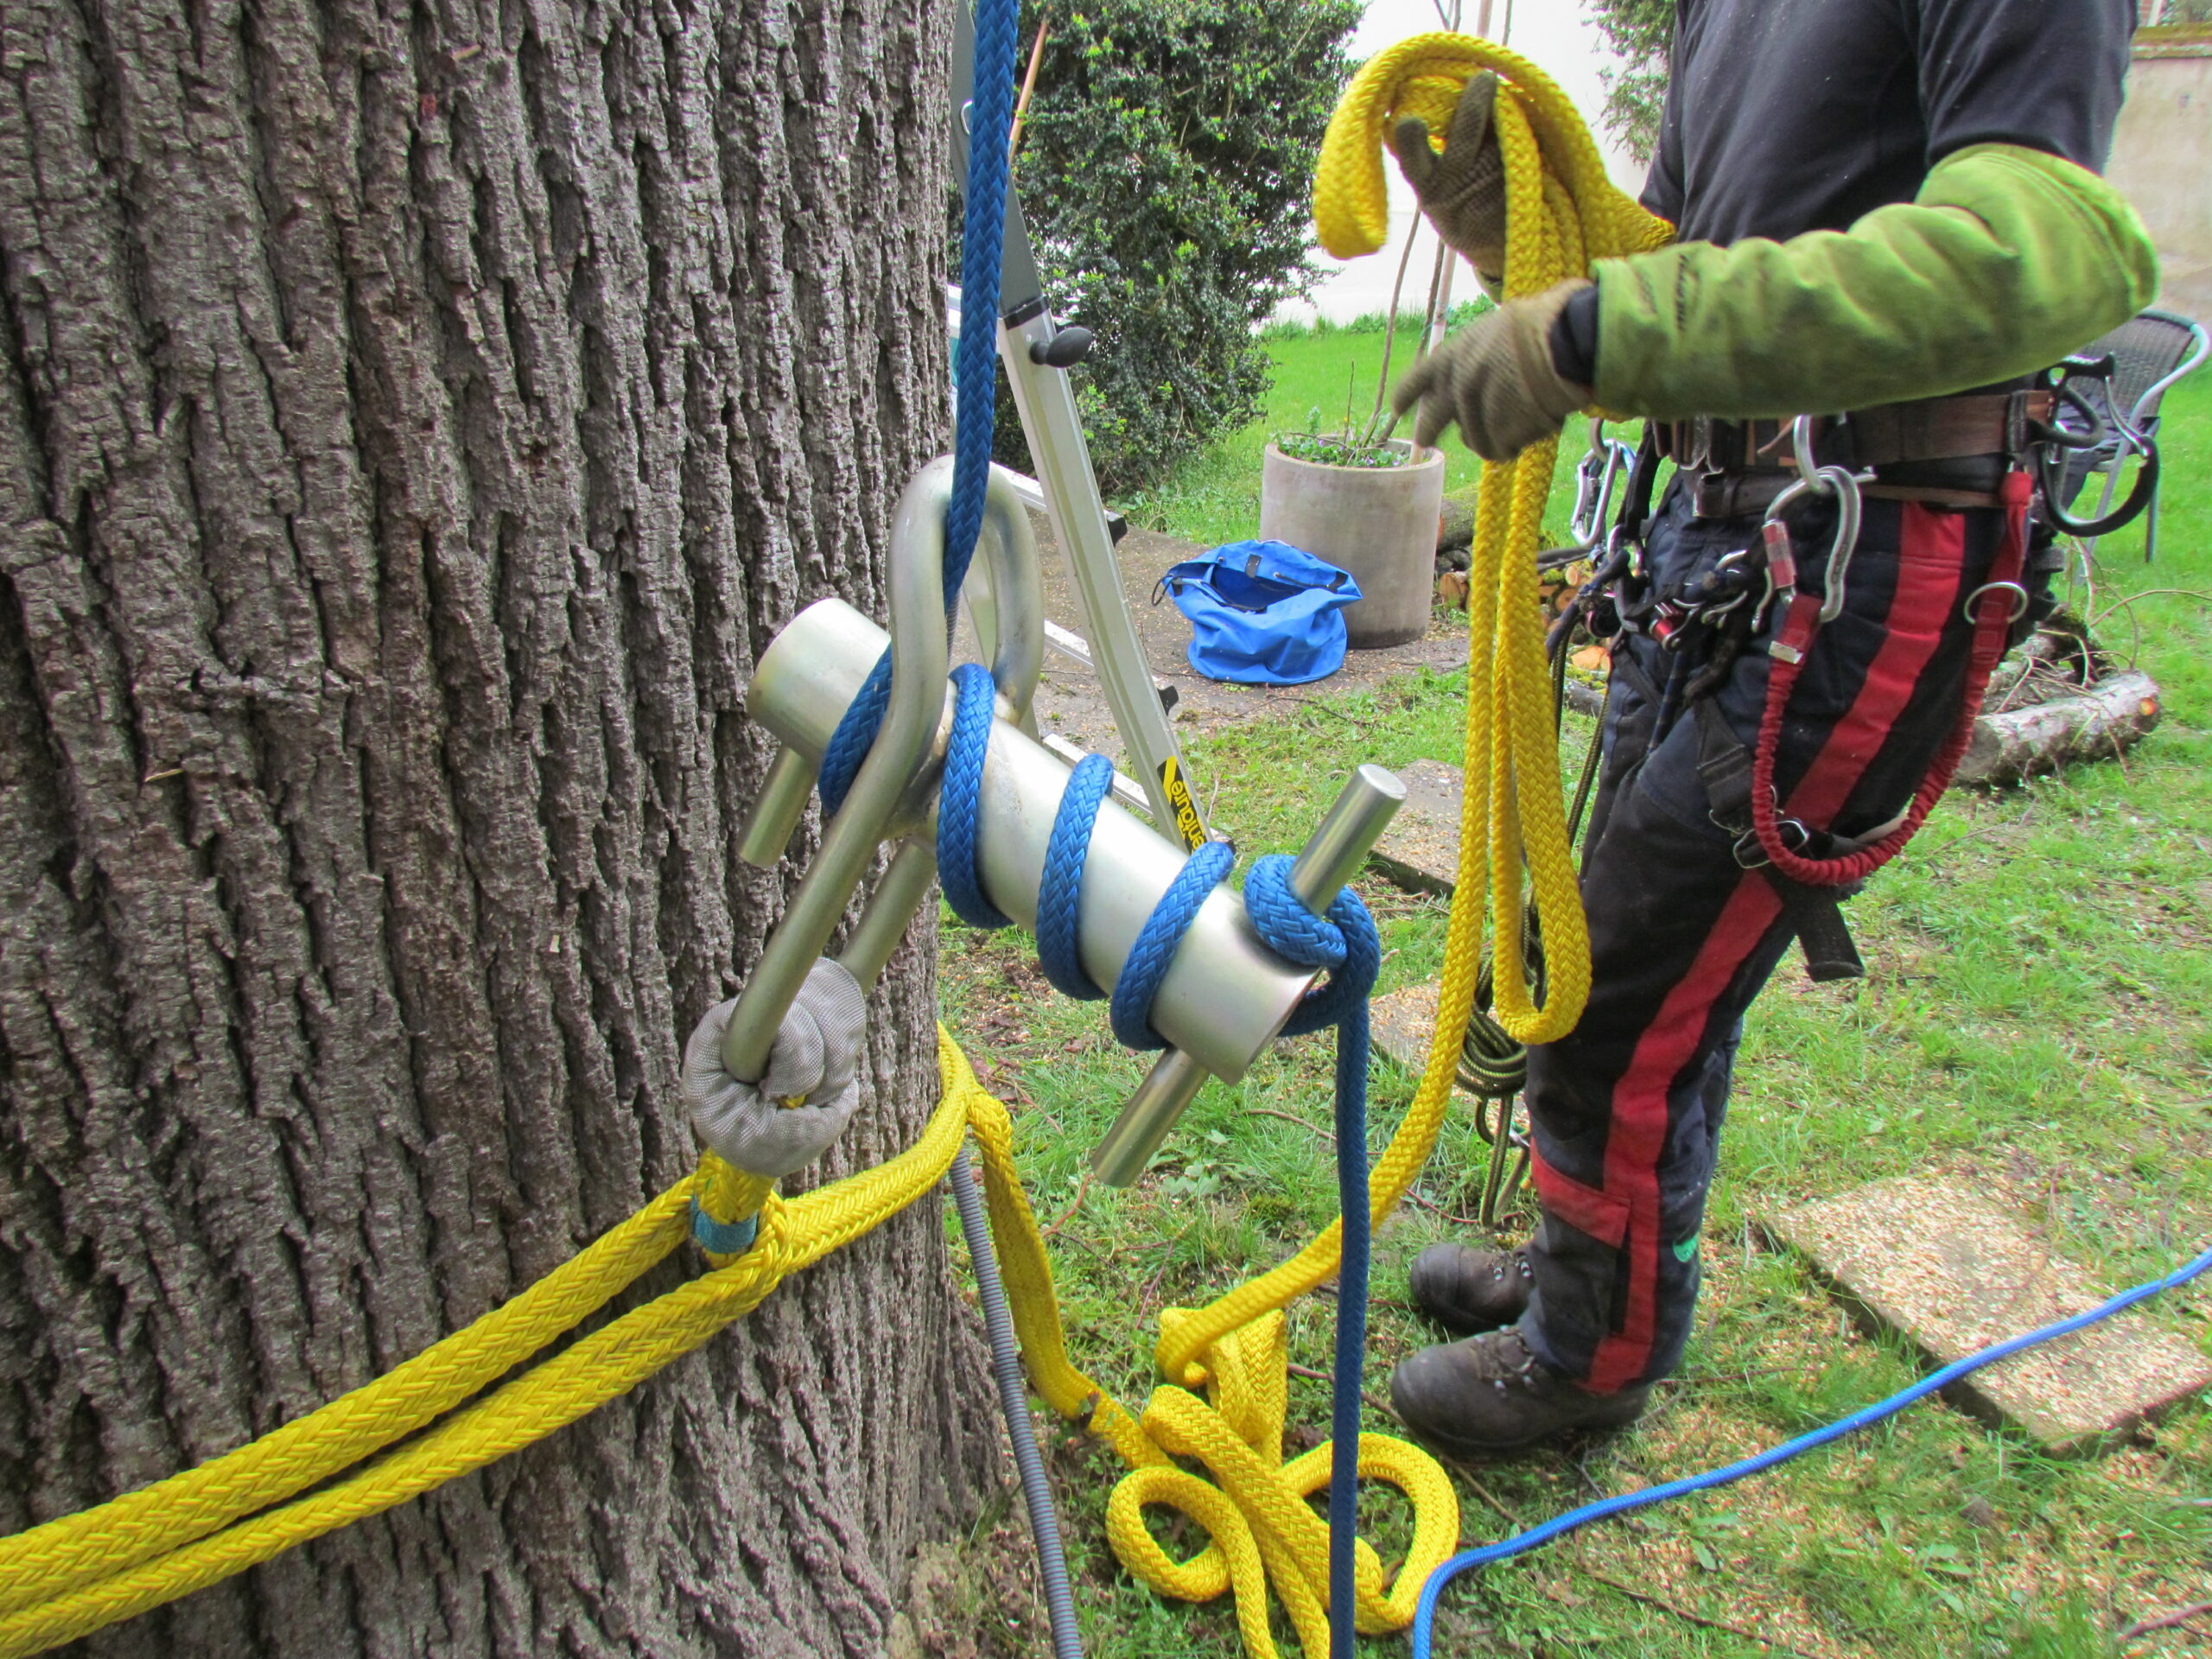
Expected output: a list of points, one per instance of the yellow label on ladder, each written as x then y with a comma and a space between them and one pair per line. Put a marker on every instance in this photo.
1179, 796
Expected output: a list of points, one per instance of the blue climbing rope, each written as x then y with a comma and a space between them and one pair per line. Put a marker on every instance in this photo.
956, 808
1342, 941
1067, 851
1346, 943
1626, 1503
975, 375
1130, 1012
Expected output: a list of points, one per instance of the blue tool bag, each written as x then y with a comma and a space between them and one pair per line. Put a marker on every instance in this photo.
1263, 612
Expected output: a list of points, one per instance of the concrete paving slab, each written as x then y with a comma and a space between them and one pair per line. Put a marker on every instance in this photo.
1421, 850
1953, 1272
1400, 1024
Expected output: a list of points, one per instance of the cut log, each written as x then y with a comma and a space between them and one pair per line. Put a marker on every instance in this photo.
2094, 725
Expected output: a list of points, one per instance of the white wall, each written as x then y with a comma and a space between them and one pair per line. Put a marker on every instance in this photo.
1552, 34
2161, 159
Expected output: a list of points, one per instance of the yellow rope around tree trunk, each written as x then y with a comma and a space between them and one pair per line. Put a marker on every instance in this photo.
79, 1573
73, 1575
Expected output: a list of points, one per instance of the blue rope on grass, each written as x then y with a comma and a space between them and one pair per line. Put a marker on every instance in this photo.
1627, 1503
975, 375
1343, 941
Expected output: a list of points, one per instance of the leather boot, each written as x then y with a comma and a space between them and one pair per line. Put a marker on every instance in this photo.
1467, 1290
1488, 1395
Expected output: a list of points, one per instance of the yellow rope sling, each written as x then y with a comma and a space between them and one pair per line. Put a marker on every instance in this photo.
73, 1575
1561, 214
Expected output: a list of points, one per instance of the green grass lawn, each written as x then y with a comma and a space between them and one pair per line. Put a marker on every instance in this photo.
1215, 496
2034, 1023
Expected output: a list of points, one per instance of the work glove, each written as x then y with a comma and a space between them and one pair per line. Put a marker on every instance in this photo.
813, 1061
1463, 190
1494, 378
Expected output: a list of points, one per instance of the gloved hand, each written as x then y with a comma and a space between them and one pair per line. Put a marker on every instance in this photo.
1463, 190
1494, 378
815, 1056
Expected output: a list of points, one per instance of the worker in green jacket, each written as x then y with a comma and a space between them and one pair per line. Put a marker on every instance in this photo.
1889, 208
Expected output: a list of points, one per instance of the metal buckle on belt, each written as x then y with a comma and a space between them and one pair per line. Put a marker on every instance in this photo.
1700, 455
1749, 855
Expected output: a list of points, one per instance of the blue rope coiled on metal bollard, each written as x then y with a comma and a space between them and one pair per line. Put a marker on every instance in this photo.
956, 810
1058, 936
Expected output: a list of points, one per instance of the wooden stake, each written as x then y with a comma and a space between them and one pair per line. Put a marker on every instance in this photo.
1028, 85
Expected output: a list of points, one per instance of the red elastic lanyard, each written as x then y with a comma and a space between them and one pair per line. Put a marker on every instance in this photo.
1993, 618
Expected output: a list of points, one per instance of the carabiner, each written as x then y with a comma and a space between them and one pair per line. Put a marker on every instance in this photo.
1782, 562
1594, 477
1809, 471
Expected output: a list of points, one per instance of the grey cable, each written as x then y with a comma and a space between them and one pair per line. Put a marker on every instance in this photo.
1014, 1398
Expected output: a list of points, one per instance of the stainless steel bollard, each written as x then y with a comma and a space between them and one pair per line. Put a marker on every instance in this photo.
1225, 995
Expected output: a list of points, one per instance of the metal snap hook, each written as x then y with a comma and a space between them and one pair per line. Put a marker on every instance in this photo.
1843, 484
1595, 477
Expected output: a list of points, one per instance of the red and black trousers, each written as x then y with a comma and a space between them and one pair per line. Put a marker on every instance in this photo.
1626, 1111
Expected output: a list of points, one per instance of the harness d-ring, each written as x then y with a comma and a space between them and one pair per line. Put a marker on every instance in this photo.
2019, 600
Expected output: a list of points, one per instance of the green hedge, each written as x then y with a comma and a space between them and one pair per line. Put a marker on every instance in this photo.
1638, 33
1165, 165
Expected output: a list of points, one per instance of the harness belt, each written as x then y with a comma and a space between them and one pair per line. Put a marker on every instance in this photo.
1812, 870
1739, 467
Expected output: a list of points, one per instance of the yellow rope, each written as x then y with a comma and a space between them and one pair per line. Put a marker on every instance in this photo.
72, 1576
1422, 77
1561, 214
1264, 1533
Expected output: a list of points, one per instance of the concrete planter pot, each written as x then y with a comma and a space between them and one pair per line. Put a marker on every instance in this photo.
1378, 523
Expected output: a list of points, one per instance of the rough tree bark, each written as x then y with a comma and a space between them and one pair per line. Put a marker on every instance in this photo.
414, 420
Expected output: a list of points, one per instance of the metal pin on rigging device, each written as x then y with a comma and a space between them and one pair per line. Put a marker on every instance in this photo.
1332, 855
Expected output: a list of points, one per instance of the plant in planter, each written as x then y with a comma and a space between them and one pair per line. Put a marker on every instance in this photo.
1367, 504
1343, 448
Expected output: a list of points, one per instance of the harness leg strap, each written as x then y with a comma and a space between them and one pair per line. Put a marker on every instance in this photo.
1815, 913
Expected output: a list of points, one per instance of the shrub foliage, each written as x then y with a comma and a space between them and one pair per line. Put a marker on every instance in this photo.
1639, 32
1165, 165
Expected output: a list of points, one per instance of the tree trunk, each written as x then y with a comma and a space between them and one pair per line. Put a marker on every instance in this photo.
414, 421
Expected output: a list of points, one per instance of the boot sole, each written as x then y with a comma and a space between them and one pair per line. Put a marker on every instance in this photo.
1606, 1420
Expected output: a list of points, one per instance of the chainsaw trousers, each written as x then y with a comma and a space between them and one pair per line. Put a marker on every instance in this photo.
1626, 1110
